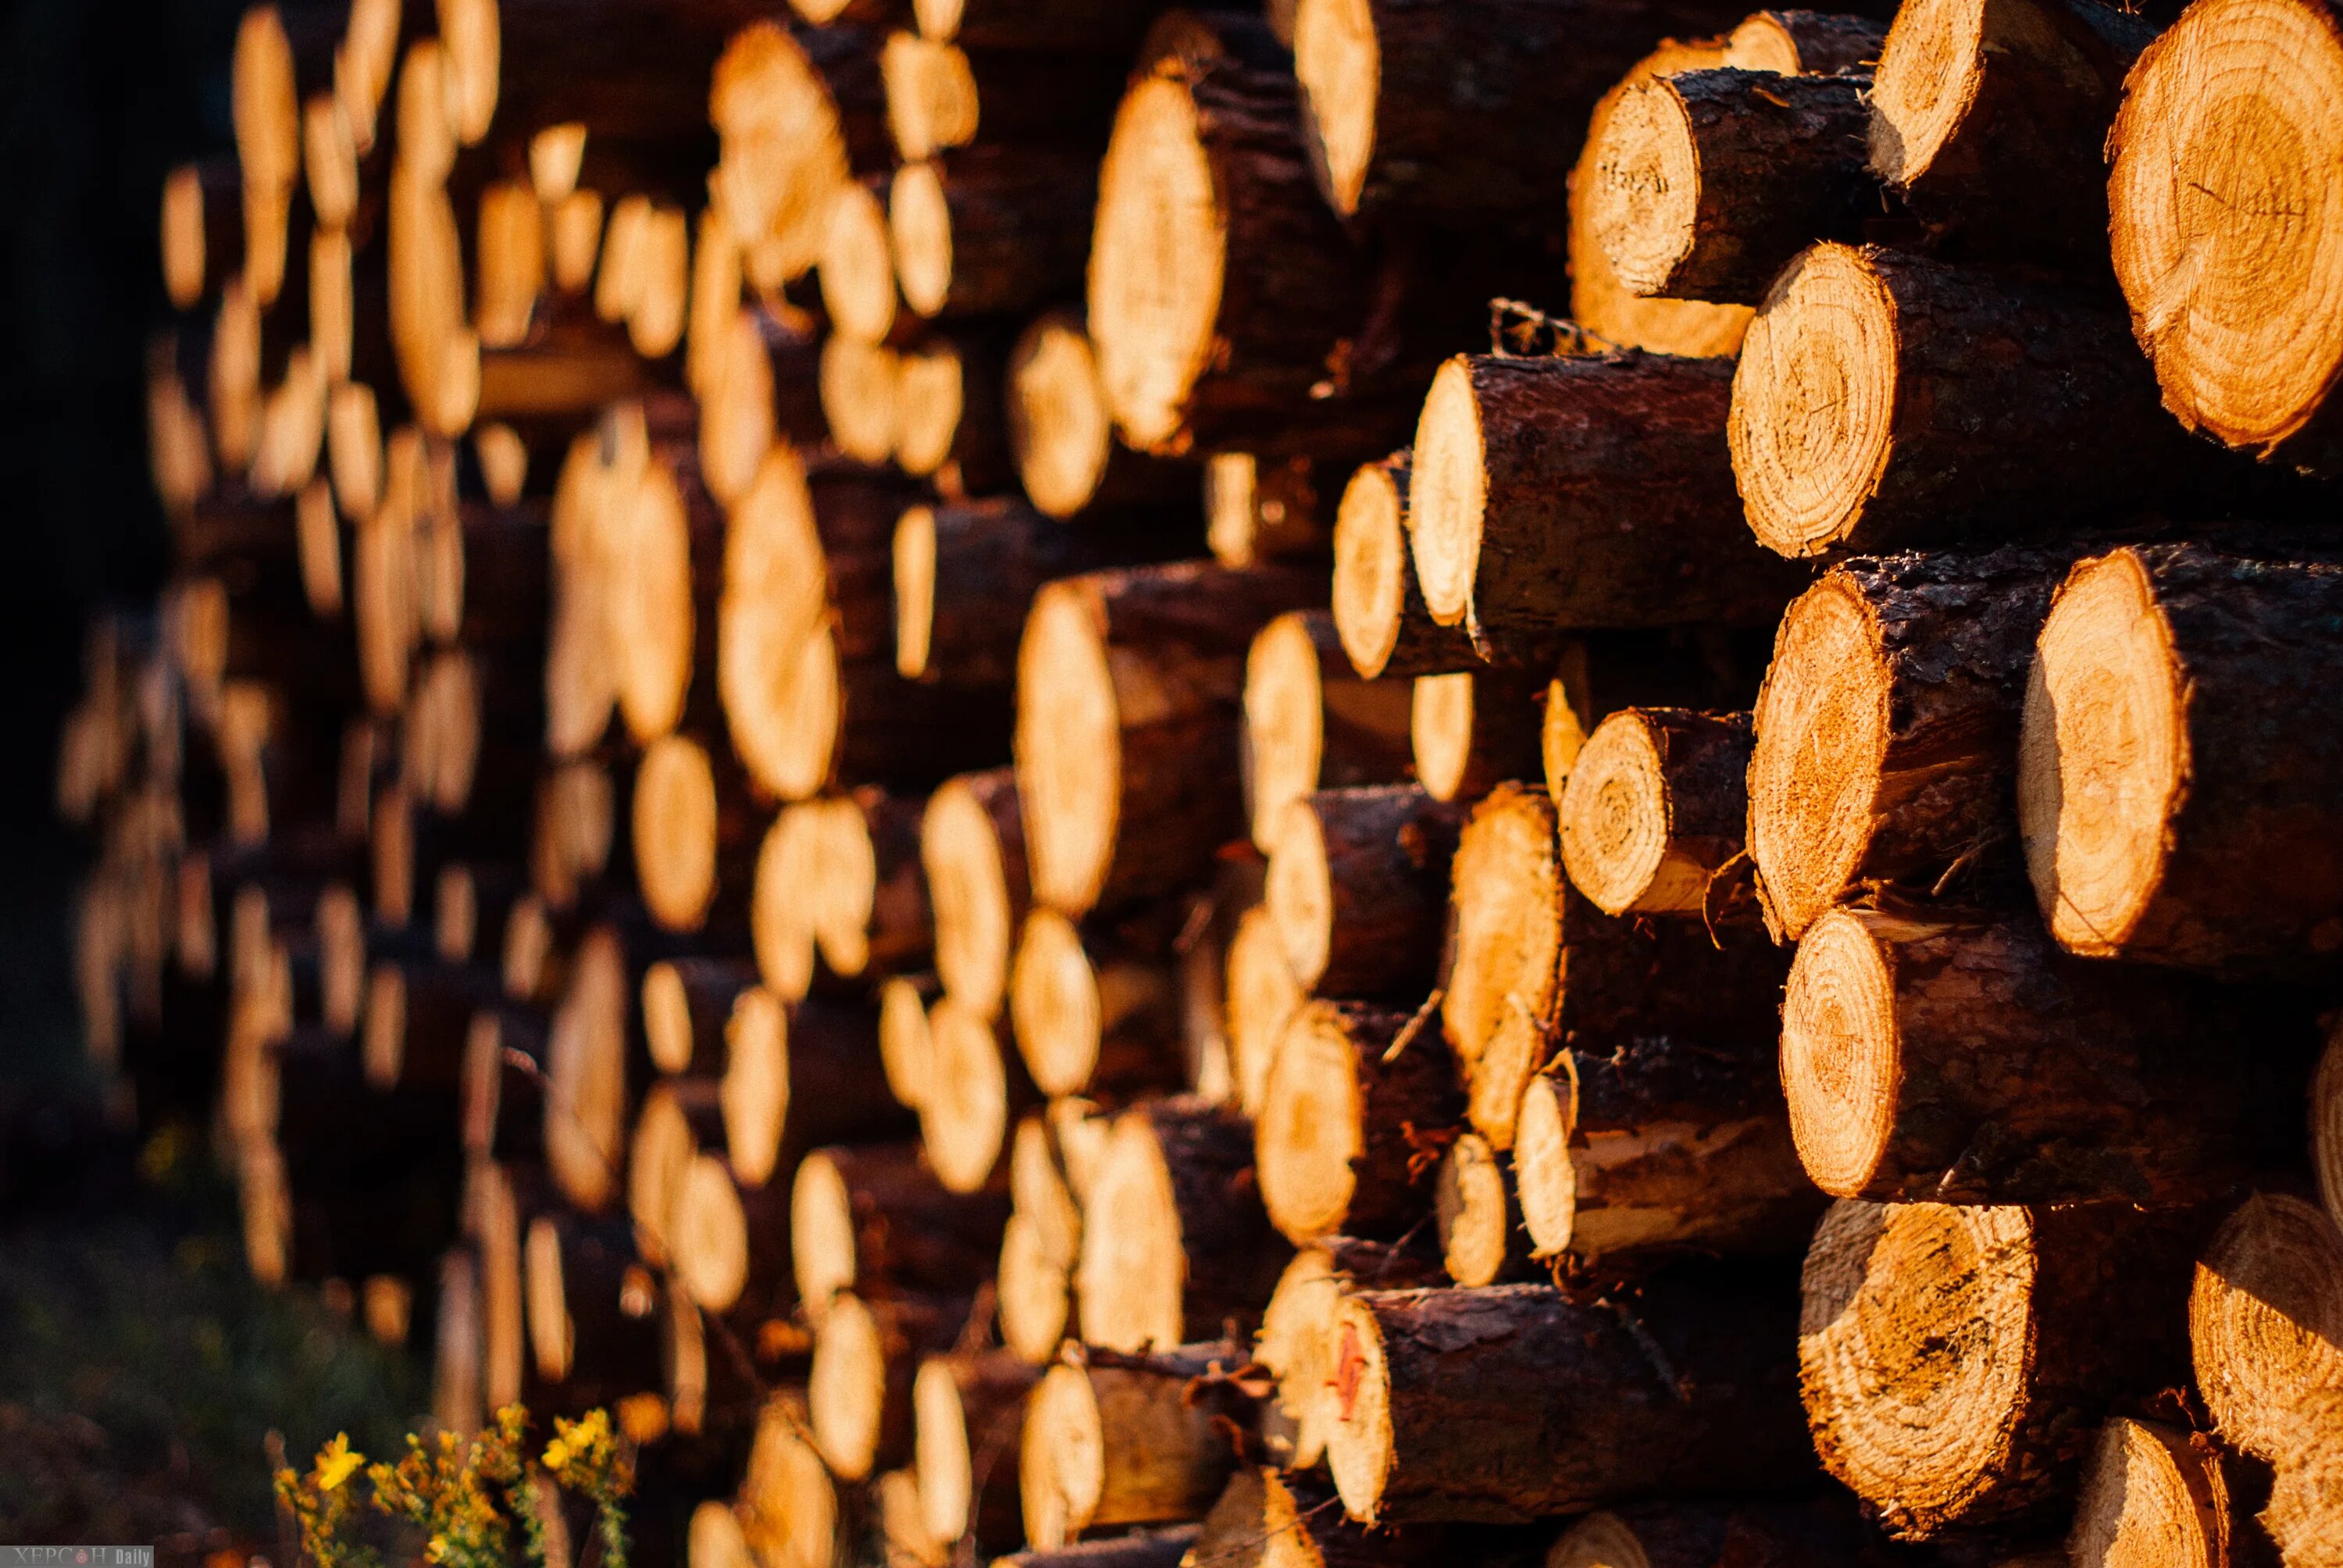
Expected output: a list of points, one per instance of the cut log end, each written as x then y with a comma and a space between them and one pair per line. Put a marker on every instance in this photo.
2152, 1495
1339, 59
2265, 1322
1822, 724
1053, 1003
1474, 1212
1841, 1062
972, 851
906, 1050
1614, 818
2103, 755
783, 913
1505, 949
754, 1092
859, 266
1308, 1131
709, 1242
965, 1112
675, 830
861, 386
1360, 1448
822, 1245
1283, 717
1813, 401
1447, 491
1059, 427
919, 222
915, 590
1644, 205
1371, 566
1263, 994
847, 1393
1927, 85
1068, 751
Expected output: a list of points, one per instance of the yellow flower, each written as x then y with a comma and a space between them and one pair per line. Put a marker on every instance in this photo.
337, 1463
557, 1453
435, 1549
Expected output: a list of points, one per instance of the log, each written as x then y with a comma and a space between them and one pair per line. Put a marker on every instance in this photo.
1472, 1205
586, 1095
1358, 886
2307, 1498
1096, 1012
861, 386
1311, 724
2090, 1292
1075, 27
1128, 683
664, 595
906, 1050
695, 830
799, 1077
941, 95
988, 231
1827, 1532
2327, 1124
1978, 1064
1265, 1510
1533, 965
202, 230
972, 851
679, 1118
965, 576
1471, 730
1217, 296
1259, 510
1975, 102
976, 1091
1556, 495
2266, 1324
2240, 355
796, 114
1709, 181
1649, 1149
418, 1014
2214, 856
1174, 1237
1038, 1248
872, 892
865, 1357
874, 1220
1804, 42
762, 385
1512, 1402
950, 425
785, 909
1965, 408
1655, 808
789, 1507
1264, 995
725, 1245
1299, 1341
1164, 1548
1606, 314
1378, 608
1109, 1445
857, 270
1462, 115
1887, 731
969, 1415
2152, 1490
689, 1007
1347, 1130
1062, 435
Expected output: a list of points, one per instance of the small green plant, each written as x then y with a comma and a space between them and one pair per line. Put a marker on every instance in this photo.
476, 1502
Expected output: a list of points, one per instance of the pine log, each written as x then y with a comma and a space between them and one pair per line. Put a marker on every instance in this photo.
941, 95
1039, 1247
972, 851
1260, 510
1599, 302
1109, 1445
1804, 42
873, 1219
1647, 1149
1266, 1513
977, 1089
727, 1245
950, 427
1887, 731
1075, 27
985, 231
1827, 1532
1378, 608
1096, 1012
1709, 181
1220, 285
1977, 1063
2090, 1293
586, 1095
1164, 1548
1357, 887
790, 1509
1655, 810
969, 1414
202, 230
696, 824
2327, 1123
1310, 724
680, 1117
664, 603
1174, 1237
965, 576
762, 388
2156, 1492
857, 270
1533, 965
1964, 408
689, 1005
1977, 101
1473, 1205
1128, 683
866, 1356
2213, 852
1346, 1133
1299, 1335
2221, 291
1471, 730
418, 1014
798, 1077
906, 1050
1517, 1402
2305, 1505
786, 907
2266, 1324
1463, 114
1264, 995
1062, 435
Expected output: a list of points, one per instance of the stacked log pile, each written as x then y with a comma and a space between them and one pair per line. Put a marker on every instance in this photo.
904, 735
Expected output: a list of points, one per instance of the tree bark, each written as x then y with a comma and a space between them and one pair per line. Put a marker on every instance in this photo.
2090, 1292
1128, 687
1358, 888
1887, 731
1514, 1402
2220, 854
1654, 811
1806, 43
1650, 1148
1709, 181
1348, 1133
1977, 1063
992, 231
